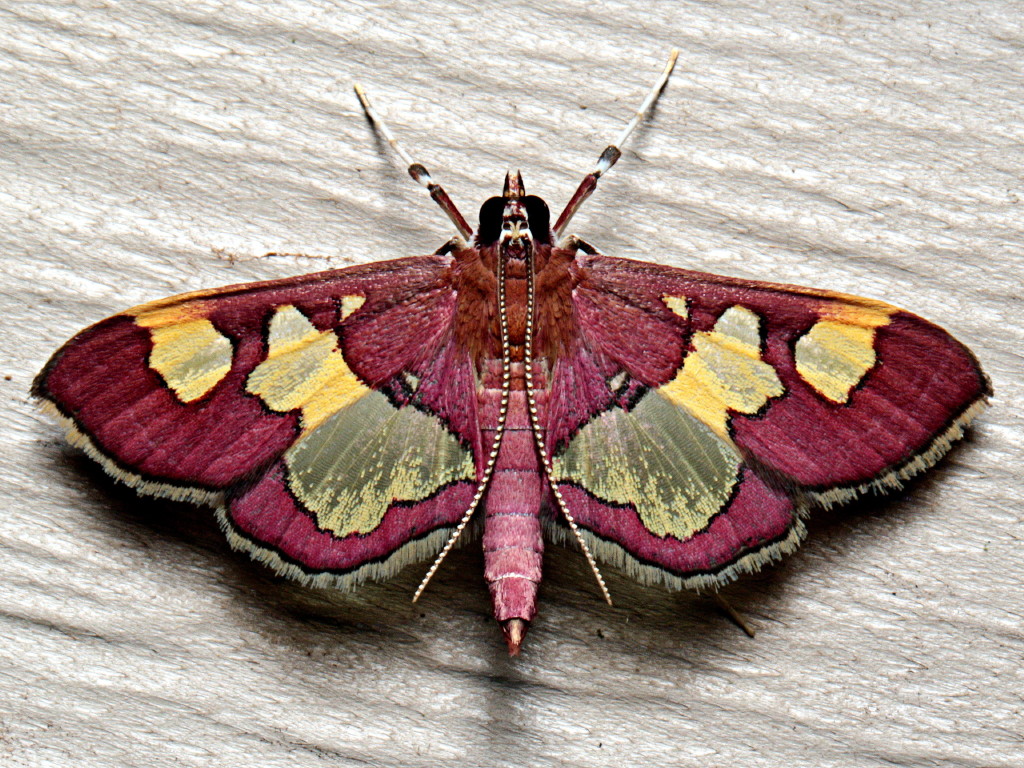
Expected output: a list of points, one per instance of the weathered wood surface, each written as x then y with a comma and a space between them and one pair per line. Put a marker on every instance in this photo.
873, 148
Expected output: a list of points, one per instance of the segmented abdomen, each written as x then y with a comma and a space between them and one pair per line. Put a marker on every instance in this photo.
513, 542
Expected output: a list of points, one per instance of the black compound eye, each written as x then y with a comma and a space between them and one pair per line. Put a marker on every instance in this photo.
539, 217
491, 214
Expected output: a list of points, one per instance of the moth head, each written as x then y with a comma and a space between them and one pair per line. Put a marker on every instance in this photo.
515, 219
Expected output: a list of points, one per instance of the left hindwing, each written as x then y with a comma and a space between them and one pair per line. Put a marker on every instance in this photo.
723, 409
330, 417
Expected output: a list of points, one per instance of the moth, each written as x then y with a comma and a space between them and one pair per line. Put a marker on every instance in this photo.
676, 424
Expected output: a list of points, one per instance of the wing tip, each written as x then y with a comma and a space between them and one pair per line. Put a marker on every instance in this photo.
897, 477
139, 483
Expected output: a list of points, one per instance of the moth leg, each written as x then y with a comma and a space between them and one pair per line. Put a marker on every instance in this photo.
574, 243
454, 243
416, 170
612, 152
733, 614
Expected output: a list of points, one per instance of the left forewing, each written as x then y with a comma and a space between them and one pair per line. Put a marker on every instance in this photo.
330, 416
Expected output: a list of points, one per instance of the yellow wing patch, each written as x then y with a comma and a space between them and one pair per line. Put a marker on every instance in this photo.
350, 304
836, 353
304, 369
158, 314
725, 372
866, 313
677, 304
191, 356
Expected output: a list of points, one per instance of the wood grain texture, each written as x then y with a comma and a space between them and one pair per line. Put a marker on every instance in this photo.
153, 147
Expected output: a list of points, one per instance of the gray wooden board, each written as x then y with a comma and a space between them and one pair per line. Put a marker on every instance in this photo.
155, 147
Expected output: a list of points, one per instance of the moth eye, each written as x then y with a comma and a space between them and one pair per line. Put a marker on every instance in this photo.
491, 215
539, 217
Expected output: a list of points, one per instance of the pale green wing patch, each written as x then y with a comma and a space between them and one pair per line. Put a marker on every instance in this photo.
657, 457
191, 356
724, 373
304, 369
368, 455
833, 357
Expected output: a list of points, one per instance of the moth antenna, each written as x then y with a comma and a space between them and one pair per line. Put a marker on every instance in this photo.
418, 172
492, 458
539, 438
613, 152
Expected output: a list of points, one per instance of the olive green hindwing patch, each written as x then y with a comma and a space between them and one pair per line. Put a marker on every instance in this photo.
368, 455
658, 457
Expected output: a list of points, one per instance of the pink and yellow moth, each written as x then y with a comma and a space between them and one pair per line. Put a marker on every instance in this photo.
678, 425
